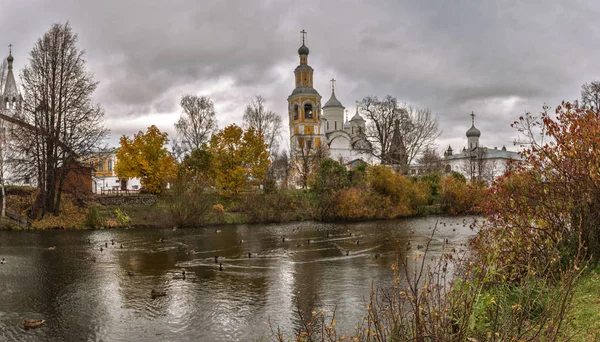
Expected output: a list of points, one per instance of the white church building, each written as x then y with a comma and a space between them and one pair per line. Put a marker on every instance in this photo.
313, 126
478, 162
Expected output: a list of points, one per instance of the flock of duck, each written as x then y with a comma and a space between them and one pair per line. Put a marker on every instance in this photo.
156, 293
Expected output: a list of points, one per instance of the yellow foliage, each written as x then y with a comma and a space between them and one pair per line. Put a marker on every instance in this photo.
218, 209
239, 158
353, 205
401, 195
458, 197
146, 157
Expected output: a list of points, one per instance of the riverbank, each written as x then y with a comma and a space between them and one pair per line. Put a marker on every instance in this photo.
378, 195
157, 215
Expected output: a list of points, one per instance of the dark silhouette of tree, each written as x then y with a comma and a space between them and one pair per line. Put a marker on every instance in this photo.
57, 102
590, 96
418, 128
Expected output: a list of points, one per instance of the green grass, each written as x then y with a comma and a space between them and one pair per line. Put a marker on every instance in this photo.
586, 310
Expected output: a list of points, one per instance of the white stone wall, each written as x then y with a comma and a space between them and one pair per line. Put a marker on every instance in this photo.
335, 116
113, 183
492, 167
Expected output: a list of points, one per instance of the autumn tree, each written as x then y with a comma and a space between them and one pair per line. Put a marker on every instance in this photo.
190, 197
146, 157
199, 164
396, 195
330, 177
197, 122
239, 158
63, 124
458, 197
552, 199
418, 127
265, 122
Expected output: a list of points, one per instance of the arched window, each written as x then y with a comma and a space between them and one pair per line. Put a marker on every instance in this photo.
6, 106
327, 125
295, 112
308, 111
448, 168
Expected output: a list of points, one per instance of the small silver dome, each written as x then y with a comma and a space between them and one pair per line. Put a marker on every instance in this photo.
333, 102
303, 50
473, 132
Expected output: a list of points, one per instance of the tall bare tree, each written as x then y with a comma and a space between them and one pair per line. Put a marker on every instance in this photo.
590, 96
3, 72
380, 115
267, 123
430, 159
197, 122
305, 161
417, 126
419, 129
3, 67
62, 124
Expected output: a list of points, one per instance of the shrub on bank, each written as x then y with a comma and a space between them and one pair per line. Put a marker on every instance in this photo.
458, 197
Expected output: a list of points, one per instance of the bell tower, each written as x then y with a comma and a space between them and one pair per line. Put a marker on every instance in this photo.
10, 98
304, 107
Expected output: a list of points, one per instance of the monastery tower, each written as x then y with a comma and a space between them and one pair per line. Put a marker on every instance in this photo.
304, 106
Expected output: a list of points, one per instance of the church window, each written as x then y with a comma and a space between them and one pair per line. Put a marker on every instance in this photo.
295, 112
308, 111
309, 144
448, 168
7, 104
327, 125
110, 165
101, 166
335, 124
352, 130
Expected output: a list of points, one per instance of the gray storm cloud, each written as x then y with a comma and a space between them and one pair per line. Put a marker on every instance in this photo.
498, 59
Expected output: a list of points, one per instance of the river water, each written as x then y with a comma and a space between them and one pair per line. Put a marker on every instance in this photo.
86, 294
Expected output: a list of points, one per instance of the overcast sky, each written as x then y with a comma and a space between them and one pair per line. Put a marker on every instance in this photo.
499, 59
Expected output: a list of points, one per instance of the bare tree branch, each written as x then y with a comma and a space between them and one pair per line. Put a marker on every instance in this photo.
57, 102
265, 122
197, 122
418, 127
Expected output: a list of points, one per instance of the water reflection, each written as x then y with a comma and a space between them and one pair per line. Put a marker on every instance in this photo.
84, 292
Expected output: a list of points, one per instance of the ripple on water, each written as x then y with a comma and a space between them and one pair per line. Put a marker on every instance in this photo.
97, 301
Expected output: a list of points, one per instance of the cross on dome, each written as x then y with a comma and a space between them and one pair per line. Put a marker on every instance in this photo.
332, 85
472, 118
303, 34
10, 58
